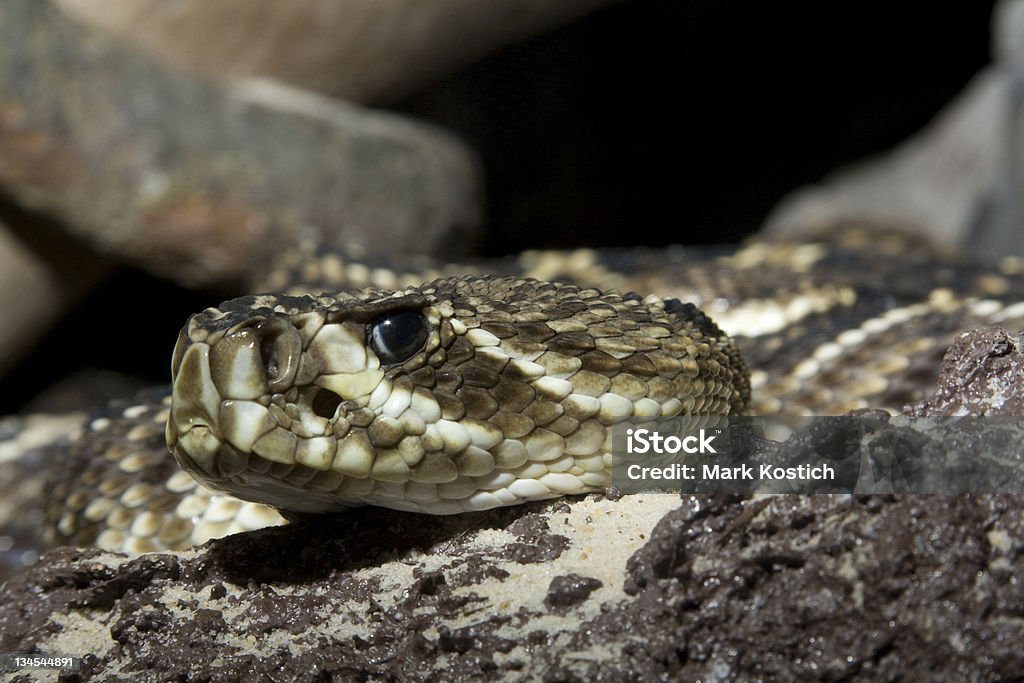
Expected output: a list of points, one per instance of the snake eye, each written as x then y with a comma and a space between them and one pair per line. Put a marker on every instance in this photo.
395, 337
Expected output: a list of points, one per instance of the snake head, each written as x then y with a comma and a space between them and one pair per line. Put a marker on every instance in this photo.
461, 394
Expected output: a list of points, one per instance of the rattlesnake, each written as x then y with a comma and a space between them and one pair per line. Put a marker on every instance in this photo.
490, 388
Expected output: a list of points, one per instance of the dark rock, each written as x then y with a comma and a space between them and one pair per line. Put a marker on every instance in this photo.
372, 594
831, 587
981, 375
873, 588
569, 590
535, 544
358, 51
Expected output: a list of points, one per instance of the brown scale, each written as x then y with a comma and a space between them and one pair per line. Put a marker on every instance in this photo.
513, 423
480, 403
542, 411
512, 394
564, 425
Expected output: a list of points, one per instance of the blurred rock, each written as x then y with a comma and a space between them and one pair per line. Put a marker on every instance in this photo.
200, 183
40, 277
961, 179
1008, 33
30, 297
947, 178
360, 50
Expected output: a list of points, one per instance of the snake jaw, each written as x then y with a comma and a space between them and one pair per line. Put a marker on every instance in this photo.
462, 394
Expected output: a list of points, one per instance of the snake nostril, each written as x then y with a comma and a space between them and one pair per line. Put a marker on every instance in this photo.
280, 348
270, 355
325, 403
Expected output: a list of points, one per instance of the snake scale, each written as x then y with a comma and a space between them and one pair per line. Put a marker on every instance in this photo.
451, 388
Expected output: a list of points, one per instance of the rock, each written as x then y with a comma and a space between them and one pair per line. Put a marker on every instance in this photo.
980, 376
823, 587
1008, 33
949, 177
962, 176
40, 277
569, 590
873, 587
354, 49
31, 297
373, 593
202, 183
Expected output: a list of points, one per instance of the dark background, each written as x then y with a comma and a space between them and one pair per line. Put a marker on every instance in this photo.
659, 121
649, 122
